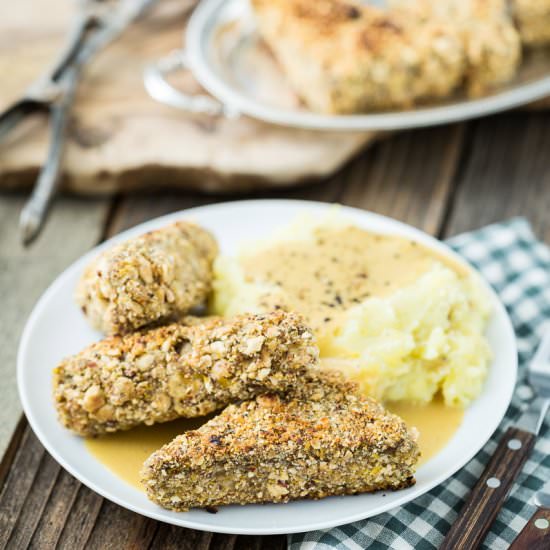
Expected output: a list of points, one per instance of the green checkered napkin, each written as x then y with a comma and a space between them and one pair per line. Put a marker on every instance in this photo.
518, 268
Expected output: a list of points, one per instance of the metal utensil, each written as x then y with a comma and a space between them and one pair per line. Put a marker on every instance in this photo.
492, 488
536, 533
34, 211
99, 22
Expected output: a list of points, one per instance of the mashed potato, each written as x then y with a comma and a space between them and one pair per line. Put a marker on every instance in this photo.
401, 320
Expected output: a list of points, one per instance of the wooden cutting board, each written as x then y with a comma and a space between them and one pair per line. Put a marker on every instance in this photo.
121, 139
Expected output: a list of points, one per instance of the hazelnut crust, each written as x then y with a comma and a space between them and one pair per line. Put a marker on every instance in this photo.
342, 56
153, 278
490, 42
186, 369
275, 449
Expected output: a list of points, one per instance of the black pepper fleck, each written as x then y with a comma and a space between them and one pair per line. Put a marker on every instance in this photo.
353, 12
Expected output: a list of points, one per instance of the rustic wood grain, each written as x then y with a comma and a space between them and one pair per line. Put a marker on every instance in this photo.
81, 519
485, 501
35, 500
56, 511
170, 537
408, 177
505, 172
18, 484
12, 447
219, 541
116, 528
73, 228
273, 543
533, 537
250, 543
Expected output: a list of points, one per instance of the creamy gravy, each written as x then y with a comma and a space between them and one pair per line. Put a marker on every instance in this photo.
436, 423
338, 269
124, 452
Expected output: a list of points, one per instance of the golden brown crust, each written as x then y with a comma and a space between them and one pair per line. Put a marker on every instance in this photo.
155, 277
344, 57
182, 370
274, 449
490, 42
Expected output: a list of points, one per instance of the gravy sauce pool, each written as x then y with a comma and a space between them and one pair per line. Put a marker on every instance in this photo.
339, 269
436, 423
124, 453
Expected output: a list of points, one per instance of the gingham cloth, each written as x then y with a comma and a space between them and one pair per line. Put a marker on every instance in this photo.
518, 268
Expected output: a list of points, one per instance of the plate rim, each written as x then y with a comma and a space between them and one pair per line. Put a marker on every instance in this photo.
160, 515
205, 12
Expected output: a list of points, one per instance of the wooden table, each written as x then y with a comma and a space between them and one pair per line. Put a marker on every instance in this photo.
444, 180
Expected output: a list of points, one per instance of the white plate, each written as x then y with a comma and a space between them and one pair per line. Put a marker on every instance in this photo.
56, 328
225, 54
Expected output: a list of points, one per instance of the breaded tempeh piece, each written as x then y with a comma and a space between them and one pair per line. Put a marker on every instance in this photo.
181, 371
155, 277
275, 450
491, 44
342, 56
533, 20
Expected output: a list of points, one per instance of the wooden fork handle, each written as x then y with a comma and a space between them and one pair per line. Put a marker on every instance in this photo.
490, 492
536, 533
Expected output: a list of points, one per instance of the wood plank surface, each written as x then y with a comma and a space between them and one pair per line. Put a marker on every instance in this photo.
73, 228
505, 172
442, 180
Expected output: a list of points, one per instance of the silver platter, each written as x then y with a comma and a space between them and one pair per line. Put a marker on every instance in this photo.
226, 55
